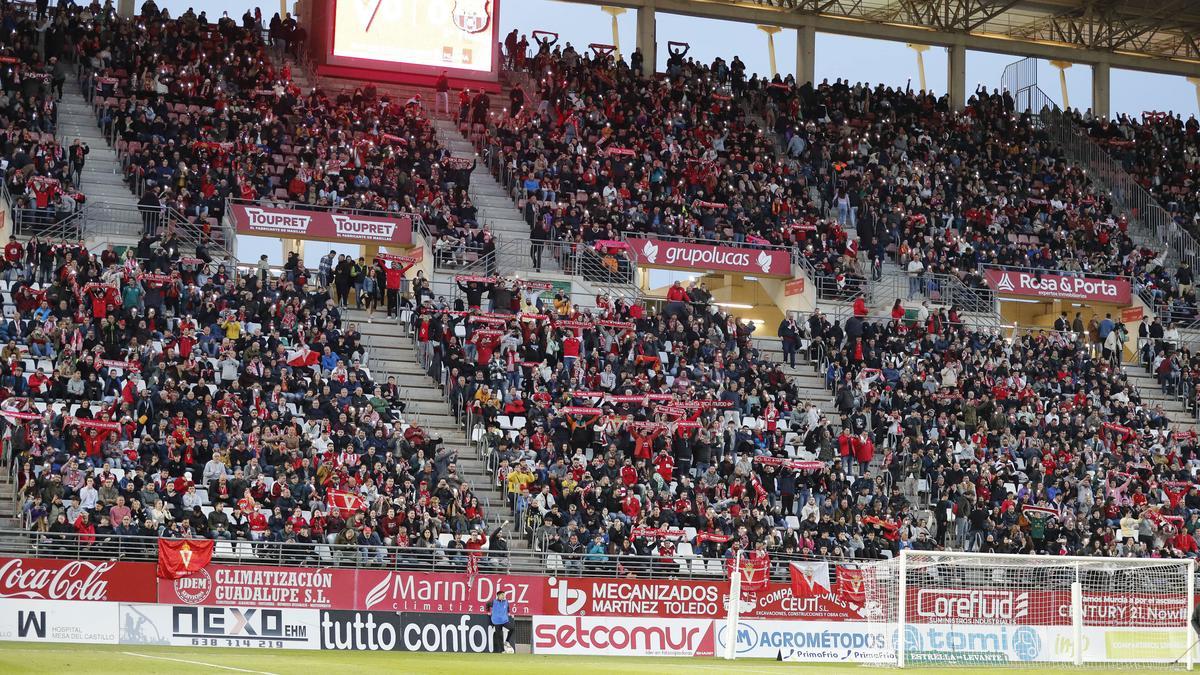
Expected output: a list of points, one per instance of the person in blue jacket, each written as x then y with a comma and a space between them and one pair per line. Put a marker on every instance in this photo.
501, 618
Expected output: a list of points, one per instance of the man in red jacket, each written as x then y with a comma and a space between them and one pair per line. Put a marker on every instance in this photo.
864, 451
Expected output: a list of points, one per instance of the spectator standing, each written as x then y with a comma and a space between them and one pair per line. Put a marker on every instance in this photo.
501, 618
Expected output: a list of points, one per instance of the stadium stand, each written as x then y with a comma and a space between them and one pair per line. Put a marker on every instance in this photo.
157, 393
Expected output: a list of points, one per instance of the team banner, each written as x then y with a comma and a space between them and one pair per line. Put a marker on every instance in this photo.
1047, 285
394, 230
182, 557
700, 256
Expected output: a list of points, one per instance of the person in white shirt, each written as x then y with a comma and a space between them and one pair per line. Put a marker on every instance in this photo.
88, 495
916, 269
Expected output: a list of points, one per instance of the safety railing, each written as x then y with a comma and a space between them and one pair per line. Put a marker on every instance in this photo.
130, 548
1125, 192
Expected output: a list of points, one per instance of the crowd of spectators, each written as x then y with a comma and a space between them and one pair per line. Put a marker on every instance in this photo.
41, 173
1159, 152
850, 177
202, 111
663, 432
148, 394
151, 393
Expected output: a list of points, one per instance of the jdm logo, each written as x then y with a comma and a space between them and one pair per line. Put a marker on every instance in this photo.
570, 600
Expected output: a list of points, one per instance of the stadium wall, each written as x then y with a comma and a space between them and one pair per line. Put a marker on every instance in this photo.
106, 602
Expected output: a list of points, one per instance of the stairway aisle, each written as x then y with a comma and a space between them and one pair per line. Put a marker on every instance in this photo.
101, 179
497, 211
392, 354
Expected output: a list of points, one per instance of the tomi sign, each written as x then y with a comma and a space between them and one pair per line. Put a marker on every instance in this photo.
711, 257
352, 228
1009, 282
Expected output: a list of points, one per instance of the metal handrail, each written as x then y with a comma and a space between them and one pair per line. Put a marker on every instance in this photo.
302, 206
1124, 190
133, 548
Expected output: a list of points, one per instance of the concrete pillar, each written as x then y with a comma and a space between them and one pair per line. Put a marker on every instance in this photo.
771, 31
125, 8
647, 41
1062, 81
956, 76
806, 55
1101, 91
614, 12
293, 246
920, 50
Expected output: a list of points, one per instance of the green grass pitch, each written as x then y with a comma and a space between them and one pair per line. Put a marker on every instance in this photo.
135, 660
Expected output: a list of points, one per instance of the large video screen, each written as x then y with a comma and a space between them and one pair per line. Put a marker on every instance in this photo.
458, 35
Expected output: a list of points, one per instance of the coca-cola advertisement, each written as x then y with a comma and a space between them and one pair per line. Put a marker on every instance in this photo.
710, 257
95, 580
394, 230
1046, 285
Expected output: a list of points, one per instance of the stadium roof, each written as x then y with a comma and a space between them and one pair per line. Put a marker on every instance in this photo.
1151, 35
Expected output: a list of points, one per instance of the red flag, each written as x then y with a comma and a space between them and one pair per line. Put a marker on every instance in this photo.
181, 557
346, 501
302, 357
850, 584
809, 578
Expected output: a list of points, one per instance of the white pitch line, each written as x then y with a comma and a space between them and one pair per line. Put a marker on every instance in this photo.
199, 663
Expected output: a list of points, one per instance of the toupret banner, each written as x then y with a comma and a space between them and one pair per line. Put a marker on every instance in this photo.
59, 621
266, 221
622, 636
258, 627
707, 257
43, 579
700, 599
405, 631
1048, 285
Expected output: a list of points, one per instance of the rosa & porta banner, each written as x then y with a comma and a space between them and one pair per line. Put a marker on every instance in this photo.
343, 227
699, 256
1046, 285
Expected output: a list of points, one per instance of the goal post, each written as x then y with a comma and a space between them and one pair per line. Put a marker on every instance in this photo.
946, 608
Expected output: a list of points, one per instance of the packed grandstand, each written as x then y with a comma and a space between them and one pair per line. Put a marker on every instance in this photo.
165, 391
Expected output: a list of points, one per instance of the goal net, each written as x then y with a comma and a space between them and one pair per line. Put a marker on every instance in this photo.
993, 609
